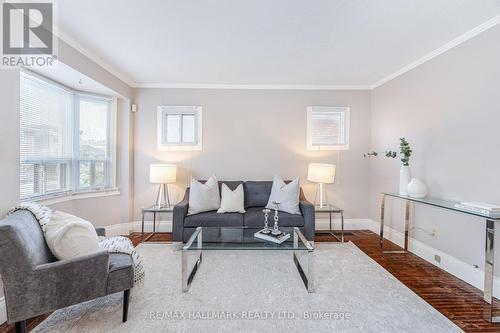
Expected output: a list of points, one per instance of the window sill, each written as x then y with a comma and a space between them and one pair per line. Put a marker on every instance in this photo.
179, 148
79, 196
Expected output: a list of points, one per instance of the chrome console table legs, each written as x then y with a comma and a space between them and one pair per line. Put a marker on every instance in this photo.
489, 271
408, 204
489, 257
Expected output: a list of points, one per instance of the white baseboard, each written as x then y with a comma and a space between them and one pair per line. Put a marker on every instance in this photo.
3, 310
462, 270
450, 264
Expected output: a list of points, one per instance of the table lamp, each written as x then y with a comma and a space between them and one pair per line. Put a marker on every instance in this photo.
162, 174
321, 174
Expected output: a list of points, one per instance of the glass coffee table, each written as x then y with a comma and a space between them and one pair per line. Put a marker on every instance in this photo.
298, 245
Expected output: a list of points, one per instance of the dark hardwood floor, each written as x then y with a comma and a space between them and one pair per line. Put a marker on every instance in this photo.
457, 300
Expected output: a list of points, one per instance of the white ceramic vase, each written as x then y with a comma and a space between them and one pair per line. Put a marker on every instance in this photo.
416, 188
404, 179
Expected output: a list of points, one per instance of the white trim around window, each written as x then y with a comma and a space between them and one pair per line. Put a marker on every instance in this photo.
328, 128
68, 141
172, 125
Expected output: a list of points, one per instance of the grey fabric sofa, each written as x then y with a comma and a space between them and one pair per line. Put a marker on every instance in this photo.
236, 227
36, 283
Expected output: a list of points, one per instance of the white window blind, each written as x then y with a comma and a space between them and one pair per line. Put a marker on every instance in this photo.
66, 140
179, 128
45, 150
327, 128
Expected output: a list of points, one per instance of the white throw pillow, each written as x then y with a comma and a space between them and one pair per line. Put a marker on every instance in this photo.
69, 236
204, 197
232, 201
286, 194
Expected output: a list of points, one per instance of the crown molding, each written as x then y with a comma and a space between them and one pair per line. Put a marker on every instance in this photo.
446, 47
251, 86
92, 56
429, 56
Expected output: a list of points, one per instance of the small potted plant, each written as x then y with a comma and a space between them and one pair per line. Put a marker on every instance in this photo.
404, 173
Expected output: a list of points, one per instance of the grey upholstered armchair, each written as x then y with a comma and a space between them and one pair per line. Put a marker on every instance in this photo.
36, 283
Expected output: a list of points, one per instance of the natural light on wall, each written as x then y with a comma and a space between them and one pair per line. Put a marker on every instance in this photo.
67, 140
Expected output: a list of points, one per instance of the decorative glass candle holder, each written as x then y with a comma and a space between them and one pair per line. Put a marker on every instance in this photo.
266, 222
276, 218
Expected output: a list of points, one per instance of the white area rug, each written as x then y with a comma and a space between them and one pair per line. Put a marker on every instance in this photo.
258, 291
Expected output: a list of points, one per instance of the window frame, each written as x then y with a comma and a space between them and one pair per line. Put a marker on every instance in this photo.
328, 109
72, 184
110, 160
180, 110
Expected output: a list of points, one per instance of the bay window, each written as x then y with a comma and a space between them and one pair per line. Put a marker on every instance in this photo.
67, 140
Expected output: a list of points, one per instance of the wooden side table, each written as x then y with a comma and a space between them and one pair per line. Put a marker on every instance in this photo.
154, 210
331, 209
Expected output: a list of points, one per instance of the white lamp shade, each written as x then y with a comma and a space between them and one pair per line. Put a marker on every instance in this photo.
321, 173
162, 173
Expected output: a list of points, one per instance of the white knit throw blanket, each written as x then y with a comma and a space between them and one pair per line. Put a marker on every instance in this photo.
116, 244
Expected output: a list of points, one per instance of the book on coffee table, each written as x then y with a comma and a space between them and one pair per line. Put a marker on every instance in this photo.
278, 239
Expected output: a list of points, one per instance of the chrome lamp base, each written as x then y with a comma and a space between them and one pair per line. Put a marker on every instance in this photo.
163, 199
322, 201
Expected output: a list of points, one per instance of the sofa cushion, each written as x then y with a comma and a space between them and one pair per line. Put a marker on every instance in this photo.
232, 184
204, 197
286, 194
257, 193
212, 219
232, 201
254, 218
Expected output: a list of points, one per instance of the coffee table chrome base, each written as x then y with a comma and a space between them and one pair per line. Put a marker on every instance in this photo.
309, 278
187, 275
188, 279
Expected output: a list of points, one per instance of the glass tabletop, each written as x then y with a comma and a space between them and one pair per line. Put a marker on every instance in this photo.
297, 241
446, 204
328, 208
156, 209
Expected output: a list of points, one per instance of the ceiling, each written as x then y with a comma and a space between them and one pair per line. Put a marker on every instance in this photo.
320, 43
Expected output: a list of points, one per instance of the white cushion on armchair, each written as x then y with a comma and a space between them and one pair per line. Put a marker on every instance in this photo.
69, 236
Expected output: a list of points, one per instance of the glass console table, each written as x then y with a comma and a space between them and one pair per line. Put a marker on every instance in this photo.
489, 263
300, 247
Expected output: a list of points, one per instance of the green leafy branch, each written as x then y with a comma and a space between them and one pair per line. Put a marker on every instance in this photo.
405, 152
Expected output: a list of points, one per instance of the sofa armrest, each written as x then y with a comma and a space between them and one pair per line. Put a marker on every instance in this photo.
66, 282
101, 232
308, 212
180, 212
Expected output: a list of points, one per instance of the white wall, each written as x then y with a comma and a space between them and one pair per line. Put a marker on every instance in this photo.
251, 135
449, 109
